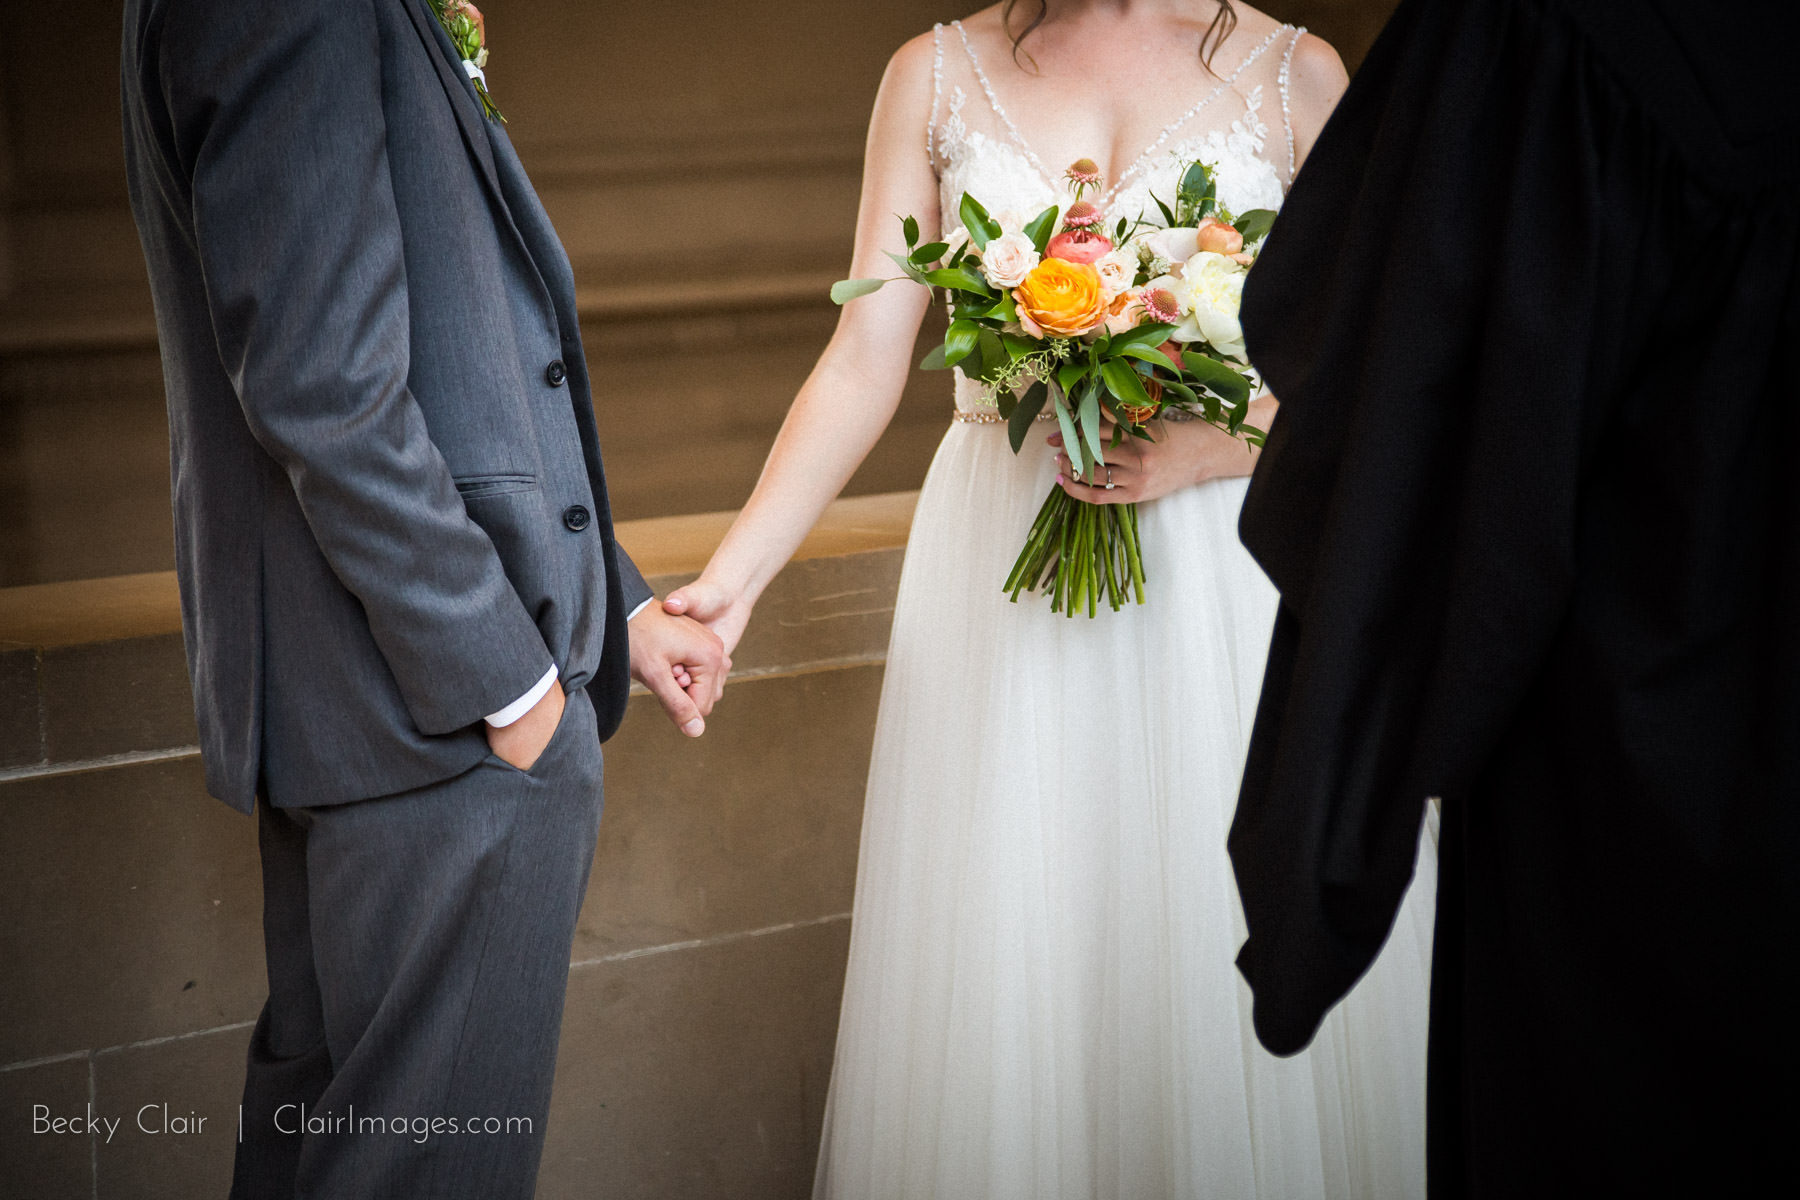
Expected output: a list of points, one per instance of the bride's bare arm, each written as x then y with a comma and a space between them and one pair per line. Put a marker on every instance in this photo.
854, 389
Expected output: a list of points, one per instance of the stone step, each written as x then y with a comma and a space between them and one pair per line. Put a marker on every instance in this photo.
92, 671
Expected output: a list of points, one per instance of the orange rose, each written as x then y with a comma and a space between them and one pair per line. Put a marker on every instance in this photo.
1220, 238
1062, 298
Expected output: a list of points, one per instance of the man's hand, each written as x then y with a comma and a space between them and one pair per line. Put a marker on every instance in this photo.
521, 743
682, 662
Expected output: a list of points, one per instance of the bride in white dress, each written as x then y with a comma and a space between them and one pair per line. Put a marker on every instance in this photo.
1041, 1000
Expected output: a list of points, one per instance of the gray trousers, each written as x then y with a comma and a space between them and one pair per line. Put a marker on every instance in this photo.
418, 953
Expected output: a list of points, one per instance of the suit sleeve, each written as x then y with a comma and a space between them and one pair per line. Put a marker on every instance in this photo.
278, 119
632, 586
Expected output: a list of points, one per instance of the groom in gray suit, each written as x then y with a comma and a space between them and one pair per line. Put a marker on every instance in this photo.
408, 625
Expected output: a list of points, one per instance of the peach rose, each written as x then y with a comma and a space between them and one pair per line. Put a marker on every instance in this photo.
1062, 298
1218, 237
1078, 246
1124, 313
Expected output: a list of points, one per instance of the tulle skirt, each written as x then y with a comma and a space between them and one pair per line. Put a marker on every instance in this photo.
1041, 1000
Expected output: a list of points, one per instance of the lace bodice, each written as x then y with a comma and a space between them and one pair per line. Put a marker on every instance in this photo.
975, 147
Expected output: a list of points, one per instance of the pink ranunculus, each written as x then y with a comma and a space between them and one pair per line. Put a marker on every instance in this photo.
1078, 246
1218, 237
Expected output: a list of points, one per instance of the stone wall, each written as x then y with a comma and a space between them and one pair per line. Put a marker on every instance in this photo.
720, 142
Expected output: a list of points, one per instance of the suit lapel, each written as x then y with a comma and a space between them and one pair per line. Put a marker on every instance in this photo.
461, 94
471, 119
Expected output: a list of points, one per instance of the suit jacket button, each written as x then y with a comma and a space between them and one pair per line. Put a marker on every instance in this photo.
555, 373
576, 517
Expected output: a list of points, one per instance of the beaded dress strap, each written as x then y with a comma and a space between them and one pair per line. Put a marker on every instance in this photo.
1287, 108
937, 92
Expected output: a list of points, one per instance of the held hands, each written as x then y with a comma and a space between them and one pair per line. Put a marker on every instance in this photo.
1181, 454
683, 663
719, 608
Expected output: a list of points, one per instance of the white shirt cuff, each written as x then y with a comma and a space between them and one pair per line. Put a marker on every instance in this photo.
525, 703
640, 608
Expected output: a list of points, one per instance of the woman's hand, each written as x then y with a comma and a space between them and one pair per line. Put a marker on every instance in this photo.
1180, 454
722, 609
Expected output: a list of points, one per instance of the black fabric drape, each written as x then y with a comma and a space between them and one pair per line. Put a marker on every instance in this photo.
1533, 505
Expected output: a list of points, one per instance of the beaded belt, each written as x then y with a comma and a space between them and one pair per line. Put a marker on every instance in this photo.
988, 416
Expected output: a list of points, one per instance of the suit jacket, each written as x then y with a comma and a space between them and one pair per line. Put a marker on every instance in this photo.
391, 515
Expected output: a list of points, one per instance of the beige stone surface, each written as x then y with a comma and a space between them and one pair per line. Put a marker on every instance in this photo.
133, 910
681, 545
699, 1074
21, 709
116, 698
181, 1151
48, 1165
754, 825
86, 611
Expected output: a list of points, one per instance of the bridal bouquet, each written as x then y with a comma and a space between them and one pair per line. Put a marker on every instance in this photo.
1063, 312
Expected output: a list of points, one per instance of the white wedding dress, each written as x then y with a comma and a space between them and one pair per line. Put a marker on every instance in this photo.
1042, 1002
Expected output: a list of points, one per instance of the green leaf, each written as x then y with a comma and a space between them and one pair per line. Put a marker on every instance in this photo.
910, 227
1017, 347
993, 354
1254, 225
1020, 421
1071, 441
1006, 309
982, 228
913, 273
1141, 335
929, 253
960, 278
846, 290
1068, 374
1152, 355
1041, 227
1196, 182
1168, 216
1090, 420
1228, 384
934, 360
960, 341
1124, 383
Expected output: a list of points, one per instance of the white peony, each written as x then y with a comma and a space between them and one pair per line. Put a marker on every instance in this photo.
1008, 259
1211, 291
1118, 270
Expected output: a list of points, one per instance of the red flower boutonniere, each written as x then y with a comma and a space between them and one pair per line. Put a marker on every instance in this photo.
463, 22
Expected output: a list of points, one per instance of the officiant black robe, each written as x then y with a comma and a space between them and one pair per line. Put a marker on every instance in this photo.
1532, 502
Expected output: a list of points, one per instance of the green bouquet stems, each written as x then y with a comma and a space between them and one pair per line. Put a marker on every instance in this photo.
1083, 555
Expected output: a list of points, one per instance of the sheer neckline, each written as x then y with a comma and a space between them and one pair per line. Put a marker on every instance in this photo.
1136, 165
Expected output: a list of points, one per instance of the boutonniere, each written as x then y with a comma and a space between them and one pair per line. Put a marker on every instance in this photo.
462, 21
